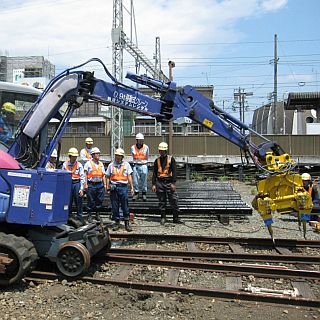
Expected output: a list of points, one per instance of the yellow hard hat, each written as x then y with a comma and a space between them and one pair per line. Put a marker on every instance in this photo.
89, 140
163, 146
306, 176
119, 152
73, 152
9, 107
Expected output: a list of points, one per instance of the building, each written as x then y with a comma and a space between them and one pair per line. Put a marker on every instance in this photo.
300, 114
34, 71
90, 119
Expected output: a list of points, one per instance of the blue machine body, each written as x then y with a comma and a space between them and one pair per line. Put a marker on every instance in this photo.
35, 197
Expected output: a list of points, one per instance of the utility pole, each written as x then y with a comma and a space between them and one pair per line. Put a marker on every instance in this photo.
275, 85
171, 65
157, 58
239, 96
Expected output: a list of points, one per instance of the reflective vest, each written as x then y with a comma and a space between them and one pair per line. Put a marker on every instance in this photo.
140, 154
75, 175
118, 176
164, 173
310, 190
88, 155
96, 170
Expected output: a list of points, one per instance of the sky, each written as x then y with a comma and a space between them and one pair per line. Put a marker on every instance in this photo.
225, 43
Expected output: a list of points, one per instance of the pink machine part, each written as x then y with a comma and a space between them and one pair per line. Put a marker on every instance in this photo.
8, 162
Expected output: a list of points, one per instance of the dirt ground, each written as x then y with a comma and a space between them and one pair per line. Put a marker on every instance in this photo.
78, 300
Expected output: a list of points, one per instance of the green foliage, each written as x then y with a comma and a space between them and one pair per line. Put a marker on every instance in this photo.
223, 178
198, 176
247, 179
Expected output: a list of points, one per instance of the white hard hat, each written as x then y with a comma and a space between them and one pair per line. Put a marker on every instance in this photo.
54, 153
73, 152
163, 146
119, 152
94, 150
306, 176
139, 136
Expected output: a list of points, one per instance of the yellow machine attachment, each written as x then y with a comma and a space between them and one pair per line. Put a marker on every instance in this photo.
282, 192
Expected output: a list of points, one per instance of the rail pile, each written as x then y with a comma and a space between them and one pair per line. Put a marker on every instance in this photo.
197, 200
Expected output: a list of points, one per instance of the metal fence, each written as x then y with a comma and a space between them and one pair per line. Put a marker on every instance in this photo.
296, 145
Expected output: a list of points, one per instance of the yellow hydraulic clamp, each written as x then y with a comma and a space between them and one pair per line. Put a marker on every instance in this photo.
282, 192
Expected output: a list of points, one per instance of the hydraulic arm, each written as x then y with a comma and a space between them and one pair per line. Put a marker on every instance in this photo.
280, 189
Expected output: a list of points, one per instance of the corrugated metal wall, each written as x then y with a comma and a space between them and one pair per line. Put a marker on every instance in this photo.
202, 145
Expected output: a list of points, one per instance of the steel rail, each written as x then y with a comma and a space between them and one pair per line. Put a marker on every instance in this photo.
204, 292
243, 269
225, 256
207, 239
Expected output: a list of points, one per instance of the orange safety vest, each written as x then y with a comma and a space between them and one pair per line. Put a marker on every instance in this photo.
310, 190
96, 170
164, 173
140, 153
88, 155
75, 175
118, 176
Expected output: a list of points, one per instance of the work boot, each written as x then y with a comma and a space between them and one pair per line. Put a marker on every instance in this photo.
176, 218
177, 221
127, 226
116, 226
135, 196
163, 219
98, 218
144, 196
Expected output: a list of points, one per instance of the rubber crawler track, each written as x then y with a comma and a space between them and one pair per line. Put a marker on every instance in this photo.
24, 254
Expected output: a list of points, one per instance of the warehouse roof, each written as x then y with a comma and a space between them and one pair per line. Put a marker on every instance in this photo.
303, 100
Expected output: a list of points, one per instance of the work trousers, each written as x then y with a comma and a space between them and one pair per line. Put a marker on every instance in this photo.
119, 199
75, 197
164, 191
95, 196
140, 175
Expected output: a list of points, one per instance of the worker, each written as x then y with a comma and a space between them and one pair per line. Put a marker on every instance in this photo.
52, 163
7, 112
78, 180
140, 155
95, 183
85, 153
118, 176
313, 191
164, 183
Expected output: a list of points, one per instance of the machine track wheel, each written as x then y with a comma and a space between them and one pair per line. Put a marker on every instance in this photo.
73, 259
23, 255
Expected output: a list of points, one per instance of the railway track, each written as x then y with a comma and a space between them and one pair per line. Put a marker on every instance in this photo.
290, 261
